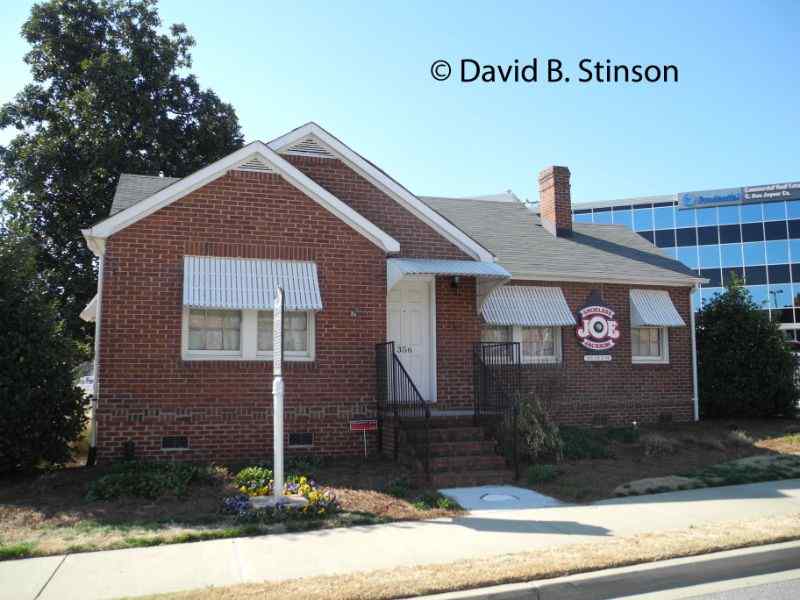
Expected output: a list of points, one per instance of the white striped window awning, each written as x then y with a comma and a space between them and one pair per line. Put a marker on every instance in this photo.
244, 283
527, 306
654, 308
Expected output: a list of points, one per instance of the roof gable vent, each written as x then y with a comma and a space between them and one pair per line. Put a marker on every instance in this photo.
255, 164
309, 146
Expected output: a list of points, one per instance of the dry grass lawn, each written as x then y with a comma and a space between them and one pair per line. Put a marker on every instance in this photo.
514, 568
681, 449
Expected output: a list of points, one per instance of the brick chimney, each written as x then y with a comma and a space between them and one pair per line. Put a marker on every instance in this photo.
555, 201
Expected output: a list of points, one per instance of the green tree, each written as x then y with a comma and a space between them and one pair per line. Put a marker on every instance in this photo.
41, 409
111, 93
745, 368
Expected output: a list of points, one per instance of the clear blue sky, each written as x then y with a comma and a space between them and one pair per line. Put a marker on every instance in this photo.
362, 70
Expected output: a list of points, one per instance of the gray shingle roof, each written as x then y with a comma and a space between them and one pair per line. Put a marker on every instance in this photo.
516, 237
135, 188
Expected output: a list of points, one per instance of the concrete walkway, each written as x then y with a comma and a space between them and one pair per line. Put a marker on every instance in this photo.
140, 571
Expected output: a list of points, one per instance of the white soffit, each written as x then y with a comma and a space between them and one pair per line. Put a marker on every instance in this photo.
384, 183
527, 306
243, 156
242, 283
89, 313
654, 308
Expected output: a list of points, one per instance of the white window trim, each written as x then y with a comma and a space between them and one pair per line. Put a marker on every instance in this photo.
248, 342
516, 336
653, 360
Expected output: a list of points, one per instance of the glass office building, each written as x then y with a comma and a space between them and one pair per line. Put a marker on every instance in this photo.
753, 232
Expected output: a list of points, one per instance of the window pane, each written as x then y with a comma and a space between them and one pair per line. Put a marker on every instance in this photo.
686, 236
780, 295
643, 219
794, 250
538, 342
793, 208
751, 213
295, 341
665, 238
752, 232
688, 256
777, 252
774, 211
709, 257
664, 217
708, 293
492, 333
778, 274
602, 216
582, 218
759, 294
706, 216
214, 329
754, 253
622, 216
755, 275
729, 234
731, 255
646, 342
685, 218
296, 321
775, 230
728, 215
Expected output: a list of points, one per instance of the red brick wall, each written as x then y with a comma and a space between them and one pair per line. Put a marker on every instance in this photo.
224, 407
619, 391
417, 240
458, 327
555, 200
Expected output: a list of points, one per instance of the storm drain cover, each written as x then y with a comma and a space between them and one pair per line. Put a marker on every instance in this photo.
499, 498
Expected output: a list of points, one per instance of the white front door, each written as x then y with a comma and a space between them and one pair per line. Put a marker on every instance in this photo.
409, 327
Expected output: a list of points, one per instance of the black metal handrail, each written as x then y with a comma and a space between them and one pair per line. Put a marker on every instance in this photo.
397, 395
496, 369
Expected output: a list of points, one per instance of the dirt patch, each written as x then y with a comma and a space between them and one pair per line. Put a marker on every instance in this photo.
49, 513
514, 568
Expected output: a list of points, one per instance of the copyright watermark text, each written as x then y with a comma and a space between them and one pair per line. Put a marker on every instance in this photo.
552, 70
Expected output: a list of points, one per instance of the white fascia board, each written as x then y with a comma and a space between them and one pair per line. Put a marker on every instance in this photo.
388, 186
688, 282
188, 184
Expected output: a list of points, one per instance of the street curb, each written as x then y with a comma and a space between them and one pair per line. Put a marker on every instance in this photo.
649, 578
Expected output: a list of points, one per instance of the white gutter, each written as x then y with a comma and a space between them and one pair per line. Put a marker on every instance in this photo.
97, 247
696, 396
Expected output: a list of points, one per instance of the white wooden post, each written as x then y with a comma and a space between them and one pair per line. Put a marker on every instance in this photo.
277, 395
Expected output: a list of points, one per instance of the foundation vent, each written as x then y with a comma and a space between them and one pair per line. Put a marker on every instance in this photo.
175, 442
301, 439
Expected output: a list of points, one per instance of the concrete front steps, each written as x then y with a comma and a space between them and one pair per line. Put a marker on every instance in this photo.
461, 453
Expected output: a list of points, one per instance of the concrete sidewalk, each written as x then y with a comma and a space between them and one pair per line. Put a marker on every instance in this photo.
140, 571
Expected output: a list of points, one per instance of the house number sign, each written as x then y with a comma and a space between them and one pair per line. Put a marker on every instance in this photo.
597, 328
404, 350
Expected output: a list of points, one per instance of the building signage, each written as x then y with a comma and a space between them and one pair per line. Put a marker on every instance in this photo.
742, 195
597, 328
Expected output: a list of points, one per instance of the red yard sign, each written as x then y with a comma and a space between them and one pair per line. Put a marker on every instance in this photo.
364, 425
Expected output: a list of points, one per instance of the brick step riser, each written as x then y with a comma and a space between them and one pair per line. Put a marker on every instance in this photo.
486, 448
444, 480
460, 464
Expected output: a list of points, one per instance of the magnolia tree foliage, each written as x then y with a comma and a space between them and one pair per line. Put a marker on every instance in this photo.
111, 93
41, 409
745, 368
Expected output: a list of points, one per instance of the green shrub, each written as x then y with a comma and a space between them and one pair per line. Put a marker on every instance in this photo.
582, 442
739, 438
627, 435
539, 436
541, 473
41, 410
254, 481
146, 480
431, 500
399, 488
745, 369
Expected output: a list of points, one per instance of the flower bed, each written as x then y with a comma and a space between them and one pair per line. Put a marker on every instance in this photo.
258, 481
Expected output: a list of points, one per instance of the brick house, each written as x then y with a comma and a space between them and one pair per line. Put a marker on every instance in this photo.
188, 269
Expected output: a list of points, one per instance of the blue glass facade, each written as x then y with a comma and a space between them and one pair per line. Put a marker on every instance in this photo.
760, 242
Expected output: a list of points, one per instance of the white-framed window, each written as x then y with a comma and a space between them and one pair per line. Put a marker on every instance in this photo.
540, 344
211, 334
215, 332
537, 344
298, 335
649, 345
